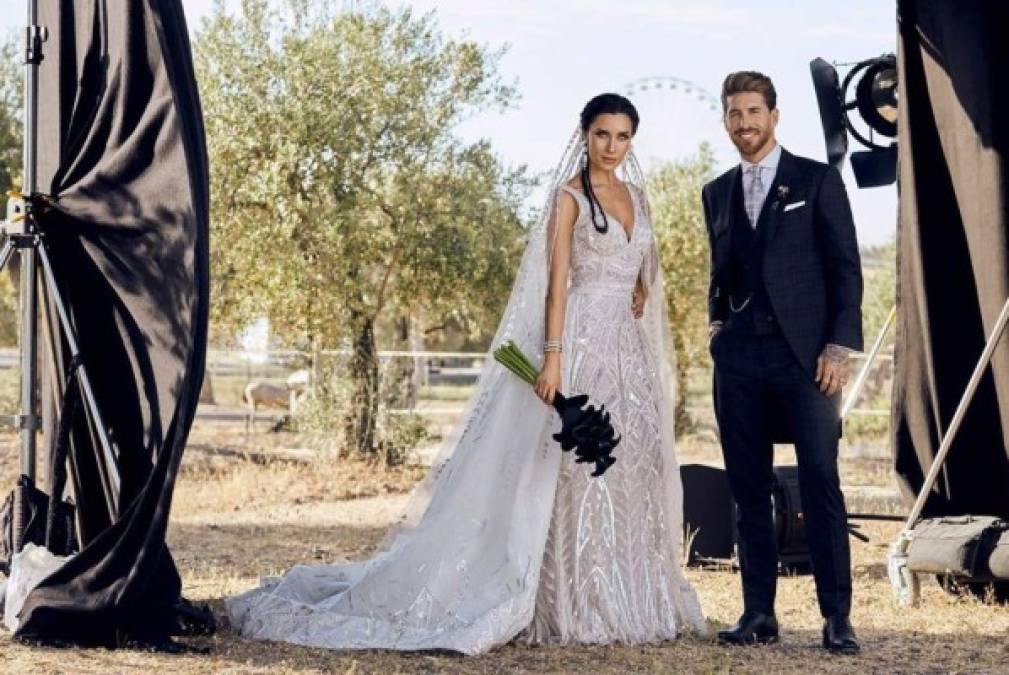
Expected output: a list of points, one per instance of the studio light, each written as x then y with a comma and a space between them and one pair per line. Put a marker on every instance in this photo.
875, 100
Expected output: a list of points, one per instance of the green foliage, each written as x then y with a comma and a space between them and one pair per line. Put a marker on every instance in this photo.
10, 391
8, 310
322, 416
11, 141
340, 192
401, 433
342, 200
11, 98
879, 266
675, 194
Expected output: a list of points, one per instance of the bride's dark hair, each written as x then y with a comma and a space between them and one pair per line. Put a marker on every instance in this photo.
604, 104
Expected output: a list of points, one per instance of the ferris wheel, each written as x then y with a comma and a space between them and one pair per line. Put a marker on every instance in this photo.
677, 115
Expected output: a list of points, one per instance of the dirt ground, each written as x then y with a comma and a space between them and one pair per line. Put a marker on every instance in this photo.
241, 512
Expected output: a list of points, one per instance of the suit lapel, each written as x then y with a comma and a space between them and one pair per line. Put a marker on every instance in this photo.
724, 224
770, 214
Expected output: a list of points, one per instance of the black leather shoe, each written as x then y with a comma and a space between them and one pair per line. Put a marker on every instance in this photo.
752, 628
839, 636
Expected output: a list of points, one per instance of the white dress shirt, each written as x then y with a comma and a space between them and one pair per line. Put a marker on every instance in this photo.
768, 168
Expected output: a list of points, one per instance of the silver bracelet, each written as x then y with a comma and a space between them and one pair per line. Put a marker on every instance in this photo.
552, 346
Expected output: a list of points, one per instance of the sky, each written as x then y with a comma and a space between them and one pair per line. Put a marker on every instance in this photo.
560, 53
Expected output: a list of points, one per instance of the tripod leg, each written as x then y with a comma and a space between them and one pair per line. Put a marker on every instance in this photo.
29, 359
54, 393
109, 468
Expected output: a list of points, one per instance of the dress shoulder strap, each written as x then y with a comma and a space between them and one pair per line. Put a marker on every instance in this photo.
580, 199
577, 194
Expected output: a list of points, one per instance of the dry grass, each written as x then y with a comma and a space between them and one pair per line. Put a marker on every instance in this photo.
237, 516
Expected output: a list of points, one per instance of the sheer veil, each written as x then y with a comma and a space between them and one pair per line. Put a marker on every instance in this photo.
498, 393
523, 322
460, 570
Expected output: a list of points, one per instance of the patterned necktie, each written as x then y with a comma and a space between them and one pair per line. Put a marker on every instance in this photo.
754, 195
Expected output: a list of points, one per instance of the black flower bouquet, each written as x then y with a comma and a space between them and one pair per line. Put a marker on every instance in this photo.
584, 428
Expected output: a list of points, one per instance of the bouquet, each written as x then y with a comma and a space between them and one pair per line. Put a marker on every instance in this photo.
584, 428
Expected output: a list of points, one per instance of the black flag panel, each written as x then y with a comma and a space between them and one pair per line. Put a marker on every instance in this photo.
953, 257
122, 154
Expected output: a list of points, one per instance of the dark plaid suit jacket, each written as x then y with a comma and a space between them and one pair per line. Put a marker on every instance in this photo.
812, 271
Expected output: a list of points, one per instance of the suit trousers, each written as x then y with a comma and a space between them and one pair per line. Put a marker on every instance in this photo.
756, 377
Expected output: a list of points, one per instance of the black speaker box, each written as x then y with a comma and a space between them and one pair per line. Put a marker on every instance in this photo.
708, 513
709, 518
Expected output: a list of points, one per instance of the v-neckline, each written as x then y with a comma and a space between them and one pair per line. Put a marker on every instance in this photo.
628, 235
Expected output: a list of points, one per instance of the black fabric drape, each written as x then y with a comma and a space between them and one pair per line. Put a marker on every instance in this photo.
953, 260
122, 150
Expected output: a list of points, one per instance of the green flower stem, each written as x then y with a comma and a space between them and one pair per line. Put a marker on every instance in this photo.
512, 358
504, 358
527, 365
523, 362
516, 366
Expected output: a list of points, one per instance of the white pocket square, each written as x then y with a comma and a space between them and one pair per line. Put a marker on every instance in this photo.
794, 205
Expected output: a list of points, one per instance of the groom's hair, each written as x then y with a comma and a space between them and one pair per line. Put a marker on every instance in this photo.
749, 81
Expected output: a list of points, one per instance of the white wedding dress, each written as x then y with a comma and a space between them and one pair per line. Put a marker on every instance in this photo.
508, 536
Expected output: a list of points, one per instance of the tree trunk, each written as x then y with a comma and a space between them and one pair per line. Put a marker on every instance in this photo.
362, 417
419, 379
401, 385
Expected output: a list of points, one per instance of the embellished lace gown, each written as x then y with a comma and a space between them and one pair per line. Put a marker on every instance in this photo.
515, 539
611, 567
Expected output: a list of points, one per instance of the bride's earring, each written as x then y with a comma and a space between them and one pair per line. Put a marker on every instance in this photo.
585, 160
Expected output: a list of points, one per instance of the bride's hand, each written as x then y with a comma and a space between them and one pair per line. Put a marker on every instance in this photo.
638, 302
548, 382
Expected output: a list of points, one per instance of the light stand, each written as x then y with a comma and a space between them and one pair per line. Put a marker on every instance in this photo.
863, 374
28, 420
25, 237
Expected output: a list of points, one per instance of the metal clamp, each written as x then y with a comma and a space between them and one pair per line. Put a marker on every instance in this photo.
32, 422
23, 241
34, 37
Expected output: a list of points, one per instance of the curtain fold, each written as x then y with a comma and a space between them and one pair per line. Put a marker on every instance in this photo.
123, 154
953, 259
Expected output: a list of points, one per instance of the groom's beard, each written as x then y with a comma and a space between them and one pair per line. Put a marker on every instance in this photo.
753, 143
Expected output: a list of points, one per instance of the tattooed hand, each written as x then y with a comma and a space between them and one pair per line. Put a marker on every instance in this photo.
833, 369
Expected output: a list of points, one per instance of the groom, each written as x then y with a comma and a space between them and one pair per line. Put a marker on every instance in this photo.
784, 309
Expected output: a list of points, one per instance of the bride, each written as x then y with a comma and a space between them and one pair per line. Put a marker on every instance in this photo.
507, 537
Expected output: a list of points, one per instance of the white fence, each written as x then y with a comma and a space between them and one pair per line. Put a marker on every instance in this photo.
230, 371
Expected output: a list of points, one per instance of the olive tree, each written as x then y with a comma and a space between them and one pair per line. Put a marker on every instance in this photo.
342, 197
